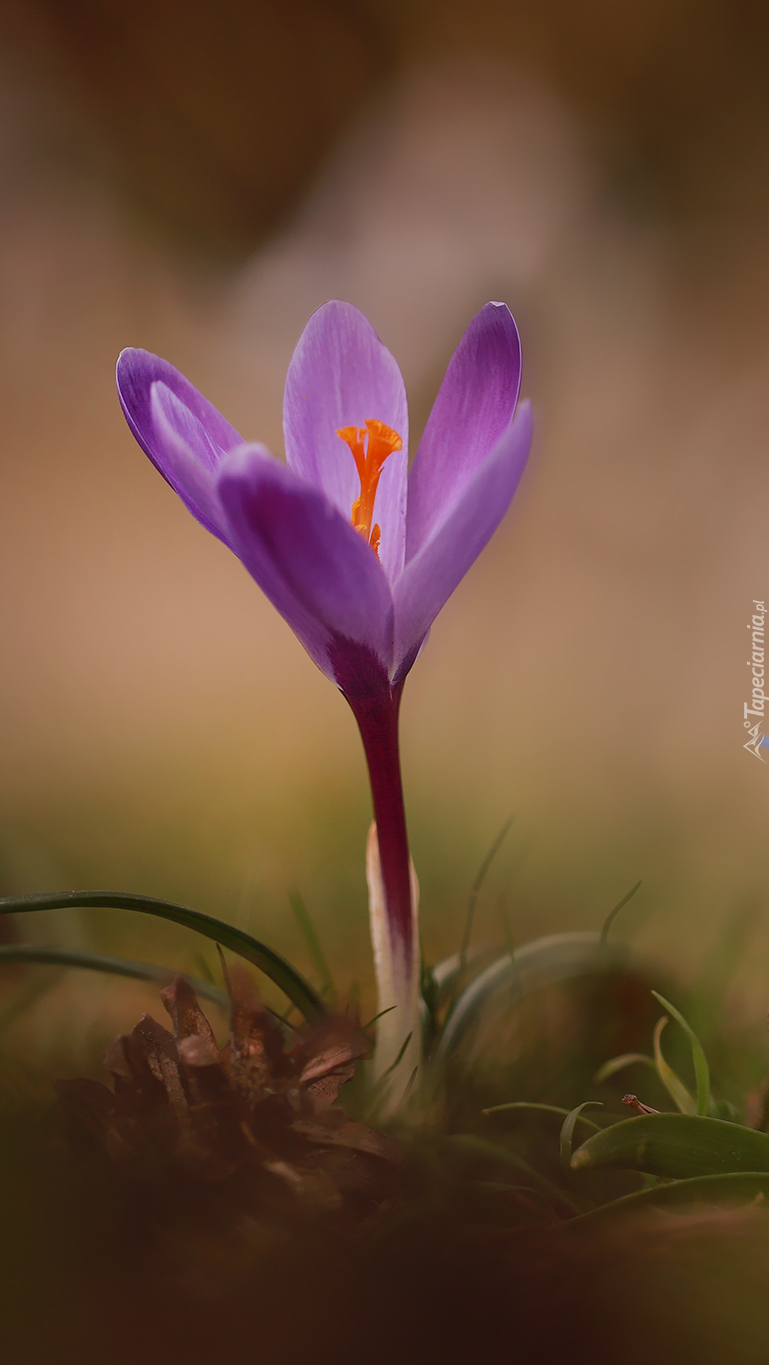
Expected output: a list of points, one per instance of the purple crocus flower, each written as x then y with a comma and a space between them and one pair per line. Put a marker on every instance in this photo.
356, 553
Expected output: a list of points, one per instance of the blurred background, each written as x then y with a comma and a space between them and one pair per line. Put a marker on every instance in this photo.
195, 178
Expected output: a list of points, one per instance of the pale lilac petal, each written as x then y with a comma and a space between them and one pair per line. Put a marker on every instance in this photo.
430, 578
341, 375
316, 570
178, 436
474, 408
181, 432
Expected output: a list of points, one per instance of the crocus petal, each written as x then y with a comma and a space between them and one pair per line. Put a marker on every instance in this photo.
316, 570
341, 375
430, 578
474, 408
181, 432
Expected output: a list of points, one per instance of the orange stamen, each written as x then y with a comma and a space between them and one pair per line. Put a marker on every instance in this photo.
369, 462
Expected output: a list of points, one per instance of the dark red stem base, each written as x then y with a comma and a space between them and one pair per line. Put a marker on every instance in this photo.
375, 703
378, 725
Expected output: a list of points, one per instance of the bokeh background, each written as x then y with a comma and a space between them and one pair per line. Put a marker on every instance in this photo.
195, 177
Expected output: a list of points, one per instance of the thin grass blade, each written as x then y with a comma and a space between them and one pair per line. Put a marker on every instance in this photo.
389, 1010
114, 966
557, 957
701, 1068
475, 891
730, 1191
526, 1106
678, 1092
616, 1064
398, 1059
441, 978
299, 991
379, 1088
319, 959
567, 1130
612, 915
467, 1148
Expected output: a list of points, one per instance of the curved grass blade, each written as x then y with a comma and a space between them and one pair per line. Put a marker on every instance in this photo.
475, 891
499, 1187
523, 1106
678, 1092
308, 930
444, 974
612, 915
701, 1068
389, 1010
379, 1087
557, 957
567, 1130
616, 1064
465, 1147
299, 991
744, 1187
115, 966
391, 1068
676, 1145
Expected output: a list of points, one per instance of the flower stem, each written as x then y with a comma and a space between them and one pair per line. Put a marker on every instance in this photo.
378, 725
392, 884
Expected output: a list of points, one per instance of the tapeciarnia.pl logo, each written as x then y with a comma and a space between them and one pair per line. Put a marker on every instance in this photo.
755, 707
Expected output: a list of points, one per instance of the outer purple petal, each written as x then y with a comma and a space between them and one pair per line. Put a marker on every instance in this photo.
430, 578
181, 432
316, 570
341, 375
474, 408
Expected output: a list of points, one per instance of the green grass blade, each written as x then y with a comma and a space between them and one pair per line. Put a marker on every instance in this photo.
524, 1106
319, 960
612, 915
616, 1064
508, 934
733, 1190
467, 1149
380, 1015
442, 976
115, 966
675, 1145
567, 1130
678, 1092
475, 891
299, 991
379, 1087
701, 1068
203, 966
391, 1068
557, 957
496, 1187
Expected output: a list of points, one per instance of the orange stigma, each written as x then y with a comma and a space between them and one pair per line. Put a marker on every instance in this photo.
382, 441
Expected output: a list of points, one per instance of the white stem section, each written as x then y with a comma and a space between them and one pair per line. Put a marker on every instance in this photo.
397, 979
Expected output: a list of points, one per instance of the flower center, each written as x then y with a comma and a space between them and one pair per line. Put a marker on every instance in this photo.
369, 460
